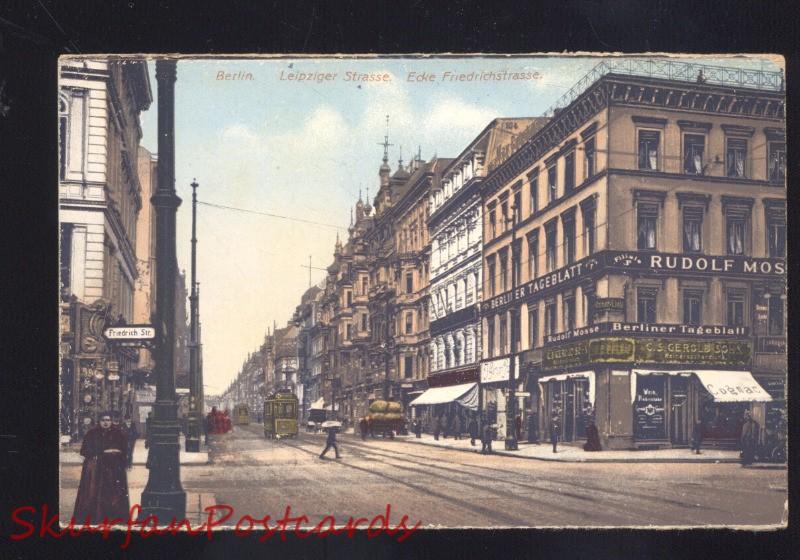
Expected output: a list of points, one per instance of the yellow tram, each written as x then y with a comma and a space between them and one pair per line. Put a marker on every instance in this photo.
280, 415
241, 415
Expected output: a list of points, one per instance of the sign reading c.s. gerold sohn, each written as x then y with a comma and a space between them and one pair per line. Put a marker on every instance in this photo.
130, 332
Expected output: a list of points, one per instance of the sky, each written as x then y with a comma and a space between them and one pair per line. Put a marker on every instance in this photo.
306, 149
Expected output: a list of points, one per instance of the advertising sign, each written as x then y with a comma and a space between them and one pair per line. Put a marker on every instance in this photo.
696, 352
648, 408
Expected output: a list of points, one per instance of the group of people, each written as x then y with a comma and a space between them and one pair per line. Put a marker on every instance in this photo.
748, 439
217, 422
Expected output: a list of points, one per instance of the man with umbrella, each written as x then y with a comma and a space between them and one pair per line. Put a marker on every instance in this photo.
332, 427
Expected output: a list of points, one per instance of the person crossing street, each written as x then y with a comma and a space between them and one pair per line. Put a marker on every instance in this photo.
330, 441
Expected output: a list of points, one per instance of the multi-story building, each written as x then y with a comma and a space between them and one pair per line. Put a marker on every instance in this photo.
455, 226
309, 375
99, 200
643, 230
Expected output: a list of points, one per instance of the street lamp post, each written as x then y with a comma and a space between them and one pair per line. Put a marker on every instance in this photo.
511, 443
193, 421
163, 496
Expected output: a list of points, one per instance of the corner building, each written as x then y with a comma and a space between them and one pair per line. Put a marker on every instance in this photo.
649, 258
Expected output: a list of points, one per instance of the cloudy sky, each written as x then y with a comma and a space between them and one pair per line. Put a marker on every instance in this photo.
304, 149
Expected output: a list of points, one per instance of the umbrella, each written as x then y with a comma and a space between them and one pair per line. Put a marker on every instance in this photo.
331, 424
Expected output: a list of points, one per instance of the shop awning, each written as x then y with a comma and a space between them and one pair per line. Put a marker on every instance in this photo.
318, 404
465, 394
578, 374
723, 385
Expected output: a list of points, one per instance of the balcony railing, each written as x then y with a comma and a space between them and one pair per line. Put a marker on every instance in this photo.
673, 70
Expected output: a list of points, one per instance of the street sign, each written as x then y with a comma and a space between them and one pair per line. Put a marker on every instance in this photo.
522, 393
130, 332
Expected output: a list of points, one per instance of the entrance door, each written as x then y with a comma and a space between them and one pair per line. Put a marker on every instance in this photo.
569, 413
679, 411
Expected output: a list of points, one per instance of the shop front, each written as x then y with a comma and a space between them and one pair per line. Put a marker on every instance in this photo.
453, 404
569, 398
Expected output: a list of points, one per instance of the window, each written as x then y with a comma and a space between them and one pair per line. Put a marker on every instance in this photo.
490, 336
552, 187
776, 162
62, 146
648, 149
516, 335
503, 334
492, 275
692, 229
588, 308
349, 332
646, 218
692, 308
735, 155
776, 321
517, 209
516, 262
533, 250
569, 172
735, 232
504, 270
504, 215
349, 296
533, 180
533, 327
735, 308
646, 305
776, 231
693, 148
568, 223
549, 317
409, 282
363, 321
550, 249
364, 285
569, 311
588, 228
408, 369
589, 158
66, 258
493, 220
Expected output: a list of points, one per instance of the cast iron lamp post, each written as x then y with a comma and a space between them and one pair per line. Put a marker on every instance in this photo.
163, 496
195, 382
511, 435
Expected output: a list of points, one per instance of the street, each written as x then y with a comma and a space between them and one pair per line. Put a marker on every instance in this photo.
448, 488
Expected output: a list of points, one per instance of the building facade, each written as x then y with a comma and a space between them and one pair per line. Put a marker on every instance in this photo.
644, 230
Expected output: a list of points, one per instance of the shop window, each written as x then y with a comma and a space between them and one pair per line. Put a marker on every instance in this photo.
776, 315
646, 305
408, 369
552, 185
568, 224
646, 222
533, 180
692, 308
692, 229
504, 270
503, 334
776, 162
490, 262
409, 282
776, 231
590, 158
533, 253
550, 242
490, 336
649, 141
549, 317
694, 146
735, 308
533, 327
569, 172
735, 155
569, 311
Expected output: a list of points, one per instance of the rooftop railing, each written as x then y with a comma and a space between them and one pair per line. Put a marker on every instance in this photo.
673, 70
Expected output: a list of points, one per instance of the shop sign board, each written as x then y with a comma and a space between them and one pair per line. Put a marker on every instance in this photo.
598, 350
497, 370
696, 264
771, 345
648, 408
609, 304
637, 329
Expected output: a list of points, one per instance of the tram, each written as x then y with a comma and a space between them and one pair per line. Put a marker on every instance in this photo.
241, 415
280, 415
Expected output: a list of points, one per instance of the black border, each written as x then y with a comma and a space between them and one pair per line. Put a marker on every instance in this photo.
34, 33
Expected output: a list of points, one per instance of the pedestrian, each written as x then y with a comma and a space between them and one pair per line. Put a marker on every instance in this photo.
330, 441
132, 434
555, 429
437, 427
486, 438
447, 426
418, 428
749, 439
533, 427
473, 430
518, 427
458, 427
103, 488
362, 426
592, 437
697, 437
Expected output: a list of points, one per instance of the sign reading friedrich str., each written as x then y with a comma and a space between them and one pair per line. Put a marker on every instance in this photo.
648, 351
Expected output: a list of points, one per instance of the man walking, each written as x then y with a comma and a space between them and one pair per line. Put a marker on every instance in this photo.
473, 430
133, 434
555, 429
437, 427
749, 439
363, 428
697, 437
486, 438
330, 442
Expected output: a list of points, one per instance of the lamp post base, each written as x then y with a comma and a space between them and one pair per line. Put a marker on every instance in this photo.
511, 444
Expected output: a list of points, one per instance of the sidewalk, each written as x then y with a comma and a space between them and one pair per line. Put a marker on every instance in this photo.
569, 453
70, 455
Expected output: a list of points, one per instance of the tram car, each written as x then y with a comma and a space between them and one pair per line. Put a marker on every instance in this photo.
280, 416
241, 415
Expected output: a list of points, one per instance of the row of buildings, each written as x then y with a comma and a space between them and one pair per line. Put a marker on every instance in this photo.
107, 243
622, 257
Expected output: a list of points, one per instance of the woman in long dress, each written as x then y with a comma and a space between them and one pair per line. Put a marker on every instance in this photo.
103, 489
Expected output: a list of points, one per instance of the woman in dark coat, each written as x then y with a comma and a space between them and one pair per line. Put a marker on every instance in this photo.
473, 430
592, 438
103, 489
